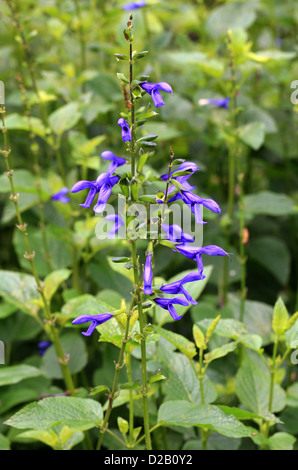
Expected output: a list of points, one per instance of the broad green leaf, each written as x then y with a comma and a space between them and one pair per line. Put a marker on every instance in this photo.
220, 351
268, 203
252, 387
4, 443
111, 332
18, 122
59, 437
226, 327
73, 346
78, 414
291, 339
280, 317
14, 374
85, 304
231, 16
20, 290
252, 134
281, 441
182, 382
257, 317
64, 118
183, 344
185, 414
261, 250
53, 281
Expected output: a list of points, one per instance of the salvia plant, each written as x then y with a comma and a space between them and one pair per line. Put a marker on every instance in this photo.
107, 373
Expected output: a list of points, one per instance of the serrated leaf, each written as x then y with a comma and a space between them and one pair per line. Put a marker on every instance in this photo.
53, 281
185, 414
14, 374
180, 342
280, 317
77, 413
220, 351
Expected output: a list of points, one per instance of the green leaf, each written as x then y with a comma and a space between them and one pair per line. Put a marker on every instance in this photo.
17, 122
253, 384
199, 337
231, 16
226, 327
86, 304
261, 250
123, 78
53, 281
281, 441
20, 290
139, 55
268, 203
111, 332
185, 414
73, 346
253, 134
78, 414
180, 342
220, 351
280, 317
4, 443
64, 118
182, 382
14, 374
59, 437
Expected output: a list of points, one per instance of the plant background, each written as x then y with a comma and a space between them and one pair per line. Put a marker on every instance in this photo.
187, 43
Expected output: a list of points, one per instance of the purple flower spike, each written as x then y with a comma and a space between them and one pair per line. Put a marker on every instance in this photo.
195, 253
60, 196
95, 321
167, 304
176, 235
133, 5
148, 275
118, 223
103, 185
221, 103
126, 133
115, 161
153, 90
177, 286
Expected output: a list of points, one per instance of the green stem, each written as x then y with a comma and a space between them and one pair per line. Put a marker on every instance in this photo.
113, 394
131, 410
82, 43
143, 346
29, 255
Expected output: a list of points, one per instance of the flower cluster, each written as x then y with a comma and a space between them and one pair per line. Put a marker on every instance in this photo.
183, 242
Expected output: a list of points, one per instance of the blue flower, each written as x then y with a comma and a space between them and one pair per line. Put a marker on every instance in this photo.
195, 202
95, 321
175, 234
102, 185
148, 275
167, 304
153, 90
134, 5
115, 161
126, 133
60, 196
118, 223
177, 286
195, 253
43, 346
221, 102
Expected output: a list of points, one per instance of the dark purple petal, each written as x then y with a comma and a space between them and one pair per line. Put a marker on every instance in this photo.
90, 329
118, 223
90, 198
221, 102
188, 296
80, 185
164, 87
157, 98
213, 250
173, 313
